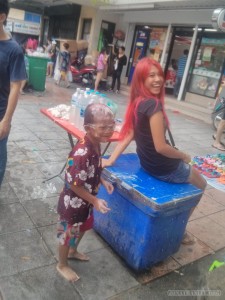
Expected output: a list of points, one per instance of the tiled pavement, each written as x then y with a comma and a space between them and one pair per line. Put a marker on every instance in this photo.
28, 250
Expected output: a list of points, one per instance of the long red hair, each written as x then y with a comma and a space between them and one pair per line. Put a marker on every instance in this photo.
138, 92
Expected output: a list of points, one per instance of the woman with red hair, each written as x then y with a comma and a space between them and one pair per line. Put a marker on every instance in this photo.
146, 122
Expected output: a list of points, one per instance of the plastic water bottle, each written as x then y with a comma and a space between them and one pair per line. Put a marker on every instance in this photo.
83, 101
74, 106
78, 107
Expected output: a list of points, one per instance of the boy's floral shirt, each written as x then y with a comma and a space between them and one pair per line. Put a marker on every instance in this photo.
83, 169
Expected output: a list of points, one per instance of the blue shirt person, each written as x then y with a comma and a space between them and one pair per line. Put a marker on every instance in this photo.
12, 72
180, 71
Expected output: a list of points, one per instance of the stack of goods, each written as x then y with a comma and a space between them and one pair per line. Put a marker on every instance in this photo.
211, 166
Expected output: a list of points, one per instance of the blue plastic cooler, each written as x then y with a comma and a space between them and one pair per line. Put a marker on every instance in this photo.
148, 217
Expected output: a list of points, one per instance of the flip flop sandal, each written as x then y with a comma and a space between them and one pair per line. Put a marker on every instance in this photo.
219, 148
215, 139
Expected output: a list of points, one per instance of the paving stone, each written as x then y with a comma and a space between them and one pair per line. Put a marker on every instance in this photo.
103, 276
36, 189
38, 284
7, 194
13, 217
24, 250
42, 211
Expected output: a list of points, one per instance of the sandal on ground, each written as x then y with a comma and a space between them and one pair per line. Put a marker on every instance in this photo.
213, 136
222, 148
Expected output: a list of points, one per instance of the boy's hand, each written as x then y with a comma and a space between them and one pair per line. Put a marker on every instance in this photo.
101, 206
106, 163
108, 186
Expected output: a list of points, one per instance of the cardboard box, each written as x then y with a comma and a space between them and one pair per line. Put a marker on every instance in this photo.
82, 44
72, 45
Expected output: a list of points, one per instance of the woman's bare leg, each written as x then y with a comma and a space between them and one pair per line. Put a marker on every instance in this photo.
197, 179
98, 79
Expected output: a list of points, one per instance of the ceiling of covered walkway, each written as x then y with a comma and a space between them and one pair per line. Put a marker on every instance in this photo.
121, 5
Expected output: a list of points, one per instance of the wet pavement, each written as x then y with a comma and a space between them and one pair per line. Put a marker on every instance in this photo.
37, 149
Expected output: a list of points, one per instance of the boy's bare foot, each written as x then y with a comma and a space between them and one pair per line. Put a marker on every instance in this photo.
77, 255
67, 273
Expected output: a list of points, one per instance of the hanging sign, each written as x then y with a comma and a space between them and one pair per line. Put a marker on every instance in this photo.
26, 28
218, 19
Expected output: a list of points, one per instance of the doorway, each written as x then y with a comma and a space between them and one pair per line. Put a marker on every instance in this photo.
139, 48
180, 43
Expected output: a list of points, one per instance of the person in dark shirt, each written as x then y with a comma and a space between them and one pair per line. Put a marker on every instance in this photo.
12, 72
119, 61
146, 122
82, 179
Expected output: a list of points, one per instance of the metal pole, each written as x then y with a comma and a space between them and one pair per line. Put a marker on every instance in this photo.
165, 46
187, 67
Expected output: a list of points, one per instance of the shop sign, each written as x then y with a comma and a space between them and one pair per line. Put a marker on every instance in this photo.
213, 42
218, 19
26, 28
206, 73
9, 26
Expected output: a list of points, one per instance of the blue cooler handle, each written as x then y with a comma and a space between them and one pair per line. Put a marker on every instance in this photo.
112, 180
126, 186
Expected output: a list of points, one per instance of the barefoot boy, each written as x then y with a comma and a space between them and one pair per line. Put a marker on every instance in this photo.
82, 178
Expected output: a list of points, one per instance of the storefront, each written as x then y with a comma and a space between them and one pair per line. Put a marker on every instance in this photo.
207, 59
23, 25
207, 69
147, 41
180, 41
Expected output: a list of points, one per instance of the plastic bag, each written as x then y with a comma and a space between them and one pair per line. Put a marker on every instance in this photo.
69, 76
57, 75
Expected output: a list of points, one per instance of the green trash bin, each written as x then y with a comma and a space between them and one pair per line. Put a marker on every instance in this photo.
37, 72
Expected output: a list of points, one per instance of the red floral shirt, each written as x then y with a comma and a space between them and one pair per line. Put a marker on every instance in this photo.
83, 169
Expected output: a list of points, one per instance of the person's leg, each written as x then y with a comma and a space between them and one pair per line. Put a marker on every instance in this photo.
73, 253
98, 79
197, 179
51, 69
113, 80
217, 144
63, 267
3, 158
66, 237
48, 69
177, 86
118, 81
66, 80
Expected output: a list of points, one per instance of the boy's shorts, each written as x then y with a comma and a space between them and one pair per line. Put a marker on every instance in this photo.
180, 175
67, 234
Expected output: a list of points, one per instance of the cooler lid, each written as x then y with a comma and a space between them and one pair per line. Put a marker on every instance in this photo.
145, 191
